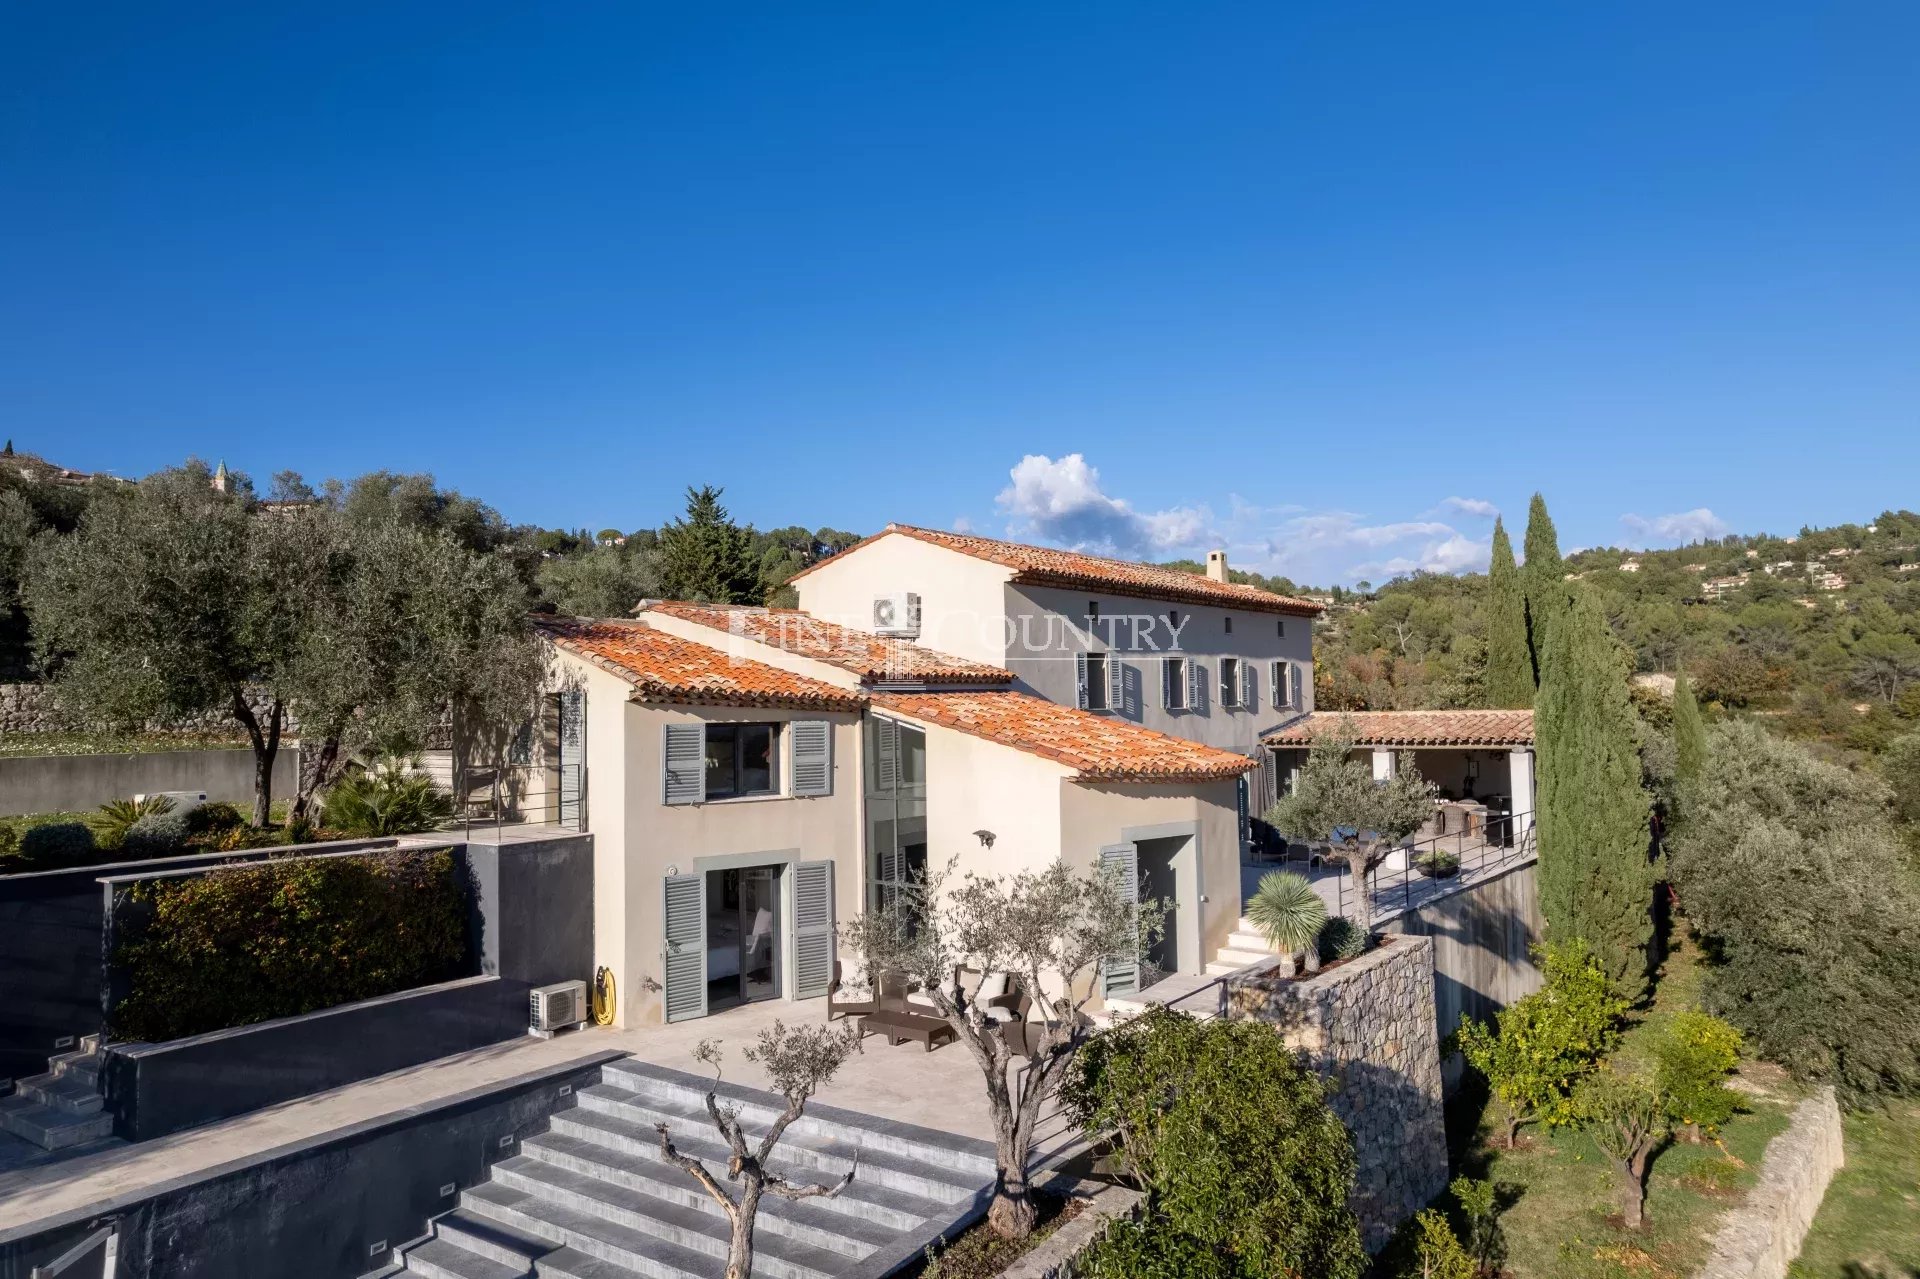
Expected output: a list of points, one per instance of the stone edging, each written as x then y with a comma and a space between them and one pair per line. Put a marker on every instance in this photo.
1760, 1238
1053, 1259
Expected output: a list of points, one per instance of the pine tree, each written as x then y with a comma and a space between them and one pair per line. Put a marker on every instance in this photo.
708, 557
1543, 574
1596, 880
1689, 733
1509, 665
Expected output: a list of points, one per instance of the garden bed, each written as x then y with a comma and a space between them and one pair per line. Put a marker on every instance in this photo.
978, 1253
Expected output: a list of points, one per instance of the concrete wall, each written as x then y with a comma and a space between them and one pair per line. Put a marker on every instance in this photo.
1368, 1026
1760, 1238
75, 783
1050, 625
533, 909
52, 931
1481, 935
156, 1089
962, 606
313, 1209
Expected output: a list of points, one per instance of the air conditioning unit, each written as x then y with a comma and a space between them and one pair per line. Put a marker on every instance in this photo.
897, 614
184, 801
558, 1007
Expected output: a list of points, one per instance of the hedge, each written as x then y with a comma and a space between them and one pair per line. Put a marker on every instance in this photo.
251, 943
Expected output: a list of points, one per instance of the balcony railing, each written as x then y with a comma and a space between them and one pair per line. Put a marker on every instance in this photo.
1402, 882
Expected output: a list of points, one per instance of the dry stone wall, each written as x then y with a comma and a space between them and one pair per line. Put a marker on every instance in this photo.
1368, 1026
1760, 1238
32, 708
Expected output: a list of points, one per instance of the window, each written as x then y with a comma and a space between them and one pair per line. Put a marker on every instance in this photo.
742, 759
1093, 689
896, 805
1229, 682
1173, 683
1282, 686
1229, 622
1093, 610
1281, 627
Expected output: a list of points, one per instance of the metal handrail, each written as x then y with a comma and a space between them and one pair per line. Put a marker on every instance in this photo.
1506, 839
103, 1244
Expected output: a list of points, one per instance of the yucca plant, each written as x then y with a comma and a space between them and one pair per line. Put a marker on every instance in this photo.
1289, 914
390, 798
117, 816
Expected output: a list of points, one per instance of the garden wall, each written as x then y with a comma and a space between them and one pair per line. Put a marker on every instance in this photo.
312, 1209
52, 930
1368, 1026
75, 783
32, 708
1760, 1238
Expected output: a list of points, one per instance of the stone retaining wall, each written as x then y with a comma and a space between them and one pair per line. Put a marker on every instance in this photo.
32, 708
1760, 1238
1368, 1025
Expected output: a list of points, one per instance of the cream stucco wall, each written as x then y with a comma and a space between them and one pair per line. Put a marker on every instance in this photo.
962, 609
973, 785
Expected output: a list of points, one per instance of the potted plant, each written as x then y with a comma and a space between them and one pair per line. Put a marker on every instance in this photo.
1437, 864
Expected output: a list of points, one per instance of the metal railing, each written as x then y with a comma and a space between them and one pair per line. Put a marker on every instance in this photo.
1432, 866
94, 1257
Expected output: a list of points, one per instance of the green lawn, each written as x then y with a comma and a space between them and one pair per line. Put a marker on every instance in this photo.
1869, 1223
1562, 1213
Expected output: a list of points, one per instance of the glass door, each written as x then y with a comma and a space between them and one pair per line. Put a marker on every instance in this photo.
743, 936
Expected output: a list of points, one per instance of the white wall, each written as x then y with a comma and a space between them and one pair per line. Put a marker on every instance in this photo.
961, 605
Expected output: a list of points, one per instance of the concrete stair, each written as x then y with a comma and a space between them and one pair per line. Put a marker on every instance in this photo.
64, 1107
1245, 945
592, 1197
1188, 992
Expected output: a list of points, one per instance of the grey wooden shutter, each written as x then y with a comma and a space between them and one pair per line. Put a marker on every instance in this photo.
1227, 682
573, 759
812, 741
1116, 684
886, 767
1170, 676
1080, 680
1250, 685
812, 929
683, 764
1196, 685
684, 951
1120, 865
1293, 671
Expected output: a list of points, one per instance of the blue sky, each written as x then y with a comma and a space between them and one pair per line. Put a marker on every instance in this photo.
1286, 278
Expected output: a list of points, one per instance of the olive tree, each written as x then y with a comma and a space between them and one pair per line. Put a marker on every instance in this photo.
1336, 798
1627, 1115
1048, 931
799, 1061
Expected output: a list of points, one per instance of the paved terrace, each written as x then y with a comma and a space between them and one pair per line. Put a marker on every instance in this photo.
940, 1090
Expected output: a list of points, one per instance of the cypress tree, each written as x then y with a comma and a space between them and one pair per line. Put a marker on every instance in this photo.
1689, 734
708, 557
1544, 573
1509, 664
1596, 880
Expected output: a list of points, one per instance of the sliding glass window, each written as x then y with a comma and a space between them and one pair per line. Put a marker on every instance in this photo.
896, 807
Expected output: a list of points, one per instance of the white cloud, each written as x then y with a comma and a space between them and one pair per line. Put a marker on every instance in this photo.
1062, 502
961, 524
1677, 530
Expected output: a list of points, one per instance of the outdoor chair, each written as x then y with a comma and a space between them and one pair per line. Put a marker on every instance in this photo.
846, 1007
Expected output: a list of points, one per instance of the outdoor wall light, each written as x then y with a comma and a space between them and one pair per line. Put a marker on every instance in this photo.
985, 837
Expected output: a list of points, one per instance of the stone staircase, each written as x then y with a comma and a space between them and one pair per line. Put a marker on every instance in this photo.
1245, 946
63, 1107
591, 1198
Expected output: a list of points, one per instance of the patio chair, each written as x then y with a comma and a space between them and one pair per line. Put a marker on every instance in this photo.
846, 1007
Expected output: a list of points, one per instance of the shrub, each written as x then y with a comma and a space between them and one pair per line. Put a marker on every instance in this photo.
215, 817
1539, 1047
156, 835
57, 842
1342, 939
388, 799
118, 816
1693, 1056
1152, 1250
249, 943
1289, 913
1437, 864
1437, 1254
1229, 1134
1626, 1114
1480, 1205
1792, 873
9, 839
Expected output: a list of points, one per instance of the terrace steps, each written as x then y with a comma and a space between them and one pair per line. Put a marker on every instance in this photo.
63, 1107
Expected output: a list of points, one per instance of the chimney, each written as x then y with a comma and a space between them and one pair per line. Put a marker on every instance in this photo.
1217, 565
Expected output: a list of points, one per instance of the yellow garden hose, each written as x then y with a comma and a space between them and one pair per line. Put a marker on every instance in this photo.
605, 996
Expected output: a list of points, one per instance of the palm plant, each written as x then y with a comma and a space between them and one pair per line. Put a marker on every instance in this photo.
1290, 915
117, 816
391, 798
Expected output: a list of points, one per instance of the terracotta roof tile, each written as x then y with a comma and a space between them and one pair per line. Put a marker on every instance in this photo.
666, 668
874, 658
1045, 566
1413, 728
1096, 747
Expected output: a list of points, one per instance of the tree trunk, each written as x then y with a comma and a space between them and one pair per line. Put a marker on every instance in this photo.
1632, 1173
1513, 1128
316, 771
740, 1250
1359, 865
266, 745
